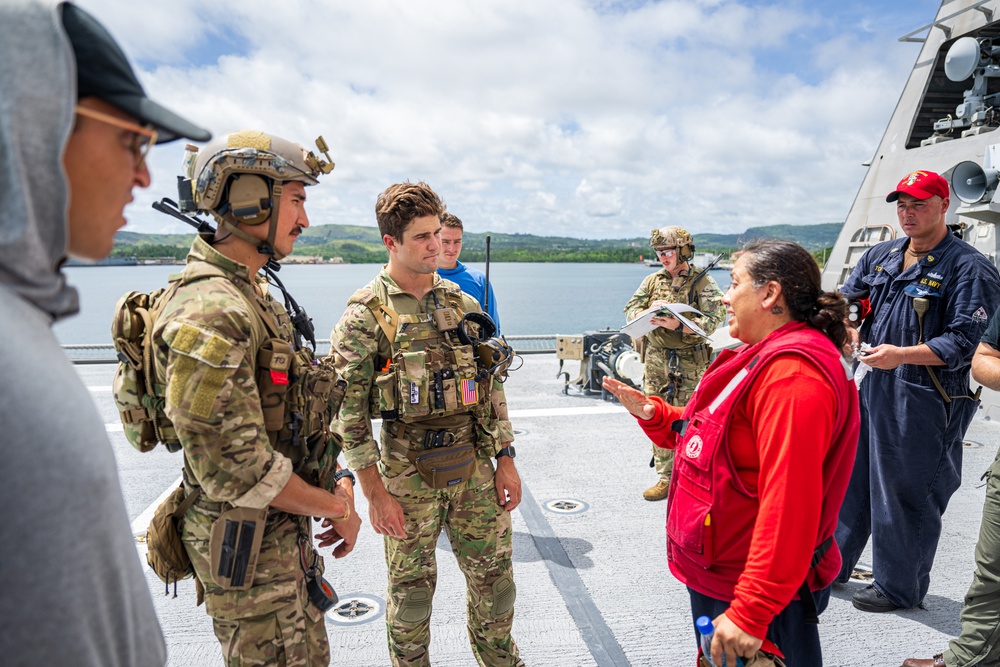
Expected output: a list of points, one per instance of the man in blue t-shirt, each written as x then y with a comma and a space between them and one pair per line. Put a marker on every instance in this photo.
471, 281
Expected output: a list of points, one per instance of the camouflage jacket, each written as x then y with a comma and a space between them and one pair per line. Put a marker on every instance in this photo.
660, 286
206, 344
357, 341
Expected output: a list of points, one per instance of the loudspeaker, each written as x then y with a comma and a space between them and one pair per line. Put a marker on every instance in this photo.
971, 182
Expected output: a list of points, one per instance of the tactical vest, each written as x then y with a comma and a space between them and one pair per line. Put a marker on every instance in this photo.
299, 397
430, 374
684, 293
711, 513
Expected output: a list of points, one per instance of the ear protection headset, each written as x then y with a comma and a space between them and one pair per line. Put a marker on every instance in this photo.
493, 354
686, 252
487, 328
249, 197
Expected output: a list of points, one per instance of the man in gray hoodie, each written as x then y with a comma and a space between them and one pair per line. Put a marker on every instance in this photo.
74, 128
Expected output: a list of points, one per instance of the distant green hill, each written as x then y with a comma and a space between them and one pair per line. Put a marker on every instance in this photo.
811, 237
358, 244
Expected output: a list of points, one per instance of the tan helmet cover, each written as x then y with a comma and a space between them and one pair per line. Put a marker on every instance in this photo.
673, 237
253, 153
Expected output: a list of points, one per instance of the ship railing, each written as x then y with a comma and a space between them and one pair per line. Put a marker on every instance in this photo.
104, 353
862, 239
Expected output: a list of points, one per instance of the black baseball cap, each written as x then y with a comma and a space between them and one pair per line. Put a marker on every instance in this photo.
103, 71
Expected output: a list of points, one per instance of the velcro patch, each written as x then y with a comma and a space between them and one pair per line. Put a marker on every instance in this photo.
201, 344
204, 363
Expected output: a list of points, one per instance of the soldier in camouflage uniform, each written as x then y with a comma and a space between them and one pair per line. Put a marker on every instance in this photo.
675, 358
211, 341
396, 345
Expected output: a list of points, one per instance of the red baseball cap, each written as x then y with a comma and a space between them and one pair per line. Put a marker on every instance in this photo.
922, 185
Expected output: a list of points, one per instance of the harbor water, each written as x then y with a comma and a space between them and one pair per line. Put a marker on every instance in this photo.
533, 298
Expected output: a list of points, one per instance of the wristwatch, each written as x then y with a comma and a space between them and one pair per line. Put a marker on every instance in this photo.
506, 451
342, 473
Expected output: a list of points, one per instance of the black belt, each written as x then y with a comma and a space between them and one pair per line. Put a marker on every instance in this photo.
417, 435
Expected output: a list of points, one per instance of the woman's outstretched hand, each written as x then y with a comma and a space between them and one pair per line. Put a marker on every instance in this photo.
634, 400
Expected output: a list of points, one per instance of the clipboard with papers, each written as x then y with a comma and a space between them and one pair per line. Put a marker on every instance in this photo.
642, 323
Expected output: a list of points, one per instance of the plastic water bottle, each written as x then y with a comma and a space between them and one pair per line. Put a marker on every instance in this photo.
707, 630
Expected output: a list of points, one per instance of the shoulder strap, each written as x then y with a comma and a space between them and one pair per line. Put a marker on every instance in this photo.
186, 504
385, 316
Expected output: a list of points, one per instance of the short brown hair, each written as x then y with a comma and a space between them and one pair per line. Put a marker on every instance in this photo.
449, 220
399, 204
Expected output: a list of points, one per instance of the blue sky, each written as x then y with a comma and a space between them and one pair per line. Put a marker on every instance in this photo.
595, 119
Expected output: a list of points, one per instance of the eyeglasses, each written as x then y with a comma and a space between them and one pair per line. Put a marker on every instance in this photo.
142, 137
665, 254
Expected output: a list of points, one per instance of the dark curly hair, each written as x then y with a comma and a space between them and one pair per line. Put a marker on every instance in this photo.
791, 266
399, 204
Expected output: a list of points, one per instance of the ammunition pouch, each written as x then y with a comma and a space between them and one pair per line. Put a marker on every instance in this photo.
702, 354
414, 387
166, 554
274, 361
315, 395
234, 546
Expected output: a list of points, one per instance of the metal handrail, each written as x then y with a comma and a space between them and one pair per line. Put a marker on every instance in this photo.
909, 37
532, 344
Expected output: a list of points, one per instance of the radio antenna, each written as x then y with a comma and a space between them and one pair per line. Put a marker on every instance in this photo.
486, 289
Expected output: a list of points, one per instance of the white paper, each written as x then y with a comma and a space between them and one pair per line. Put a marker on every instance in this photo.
642, 325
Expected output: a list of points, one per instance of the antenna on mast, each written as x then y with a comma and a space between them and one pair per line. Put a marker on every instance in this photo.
486, 289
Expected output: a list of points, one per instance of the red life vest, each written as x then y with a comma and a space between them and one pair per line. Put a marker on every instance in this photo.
711, 513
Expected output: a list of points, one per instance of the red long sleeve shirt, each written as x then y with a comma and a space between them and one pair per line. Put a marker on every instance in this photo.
781, 443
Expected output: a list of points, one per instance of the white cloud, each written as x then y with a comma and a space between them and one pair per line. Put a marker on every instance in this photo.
562, 117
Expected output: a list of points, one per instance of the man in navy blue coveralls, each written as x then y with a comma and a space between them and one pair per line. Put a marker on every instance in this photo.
909, 459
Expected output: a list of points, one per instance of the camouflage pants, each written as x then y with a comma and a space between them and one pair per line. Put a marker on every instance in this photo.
287, 637
273, 624
657, 382
480, 534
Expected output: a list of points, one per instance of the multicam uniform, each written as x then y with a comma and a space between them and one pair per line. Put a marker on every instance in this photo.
676, 361
396, 381
208, 341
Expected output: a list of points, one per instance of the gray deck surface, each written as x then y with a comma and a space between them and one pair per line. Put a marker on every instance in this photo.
593, 588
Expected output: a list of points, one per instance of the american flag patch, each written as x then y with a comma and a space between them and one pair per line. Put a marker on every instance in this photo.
470, 393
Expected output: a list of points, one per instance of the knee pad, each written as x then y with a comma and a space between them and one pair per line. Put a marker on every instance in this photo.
504, 592
415, 607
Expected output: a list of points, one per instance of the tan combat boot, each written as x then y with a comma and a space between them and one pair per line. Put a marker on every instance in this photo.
658, 491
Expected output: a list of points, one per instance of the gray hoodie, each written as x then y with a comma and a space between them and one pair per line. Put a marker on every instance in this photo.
72, 591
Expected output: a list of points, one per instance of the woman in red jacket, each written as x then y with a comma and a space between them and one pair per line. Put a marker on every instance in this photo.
764, 451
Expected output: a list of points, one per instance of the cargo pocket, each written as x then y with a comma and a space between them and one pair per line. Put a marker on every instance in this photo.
388, 402
414, 400
689, 527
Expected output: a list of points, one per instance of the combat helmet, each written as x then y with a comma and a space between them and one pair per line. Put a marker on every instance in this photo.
673, 237
238, 179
